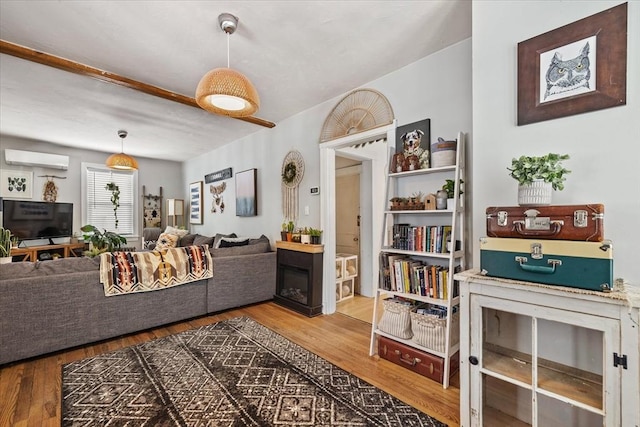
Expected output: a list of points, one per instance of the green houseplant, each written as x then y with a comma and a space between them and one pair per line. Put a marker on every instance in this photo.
547, 168
5, 244
449, 188
102, 241
316, 235
115, 198
537, 177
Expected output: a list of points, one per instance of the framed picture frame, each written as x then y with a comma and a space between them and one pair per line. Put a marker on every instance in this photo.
574, 69
195, 202
412, 146
246, 197
16, 184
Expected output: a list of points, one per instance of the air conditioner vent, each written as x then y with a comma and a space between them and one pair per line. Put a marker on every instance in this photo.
32, 158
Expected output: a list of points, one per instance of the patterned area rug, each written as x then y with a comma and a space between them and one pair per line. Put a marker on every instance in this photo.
231, 373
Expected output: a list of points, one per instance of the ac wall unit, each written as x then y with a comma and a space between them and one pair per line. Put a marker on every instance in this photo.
32, 158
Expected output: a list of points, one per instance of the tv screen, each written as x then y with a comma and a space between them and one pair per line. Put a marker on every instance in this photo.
37, 220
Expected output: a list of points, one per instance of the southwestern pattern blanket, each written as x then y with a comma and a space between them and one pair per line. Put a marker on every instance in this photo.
127, 272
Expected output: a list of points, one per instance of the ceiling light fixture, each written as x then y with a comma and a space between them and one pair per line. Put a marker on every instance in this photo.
120, 160
223, 90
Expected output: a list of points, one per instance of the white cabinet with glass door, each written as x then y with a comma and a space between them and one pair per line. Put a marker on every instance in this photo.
538, 355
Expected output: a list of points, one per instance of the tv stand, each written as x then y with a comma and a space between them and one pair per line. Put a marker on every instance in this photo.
31, 253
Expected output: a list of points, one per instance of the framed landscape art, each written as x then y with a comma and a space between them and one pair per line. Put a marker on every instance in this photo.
574, 69
246, 199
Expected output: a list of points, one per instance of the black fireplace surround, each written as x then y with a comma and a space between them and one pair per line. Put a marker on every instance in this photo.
299, 281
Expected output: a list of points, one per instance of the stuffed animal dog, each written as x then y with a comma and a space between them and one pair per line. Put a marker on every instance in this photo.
411, 147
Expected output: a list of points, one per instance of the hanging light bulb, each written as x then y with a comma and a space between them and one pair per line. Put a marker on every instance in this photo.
120, 160
223, 90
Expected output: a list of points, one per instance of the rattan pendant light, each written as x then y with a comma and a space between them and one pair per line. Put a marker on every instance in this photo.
223, 90
120, 160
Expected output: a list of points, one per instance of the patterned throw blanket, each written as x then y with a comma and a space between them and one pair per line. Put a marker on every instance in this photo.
127, 272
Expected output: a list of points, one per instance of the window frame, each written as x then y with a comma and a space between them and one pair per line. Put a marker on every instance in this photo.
84, 194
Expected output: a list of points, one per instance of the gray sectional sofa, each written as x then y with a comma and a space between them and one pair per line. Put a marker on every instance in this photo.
53, 305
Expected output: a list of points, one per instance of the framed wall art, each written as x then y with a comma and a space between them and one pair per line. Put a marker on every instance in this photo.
16, 184
195, 202
246, 198
574, 69
412, 146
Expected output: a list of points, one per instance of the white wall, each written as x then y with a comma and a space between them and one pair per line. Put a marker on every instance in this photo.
152, 173
436, 87
603, 144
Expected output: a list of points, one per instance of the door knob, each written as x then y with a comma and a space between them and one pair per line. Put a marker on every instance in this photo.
355, 239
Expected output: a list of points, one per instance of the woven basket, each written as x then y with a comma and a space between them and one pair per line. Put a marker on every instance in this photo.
430, 331
396, 319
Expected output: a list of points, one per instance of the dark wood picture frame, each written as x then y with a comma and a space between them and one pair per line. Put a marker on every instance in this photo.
246, 197
609, 27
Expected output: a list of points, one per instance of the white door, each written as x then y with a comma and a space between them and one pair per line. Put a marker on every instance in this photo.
348, 216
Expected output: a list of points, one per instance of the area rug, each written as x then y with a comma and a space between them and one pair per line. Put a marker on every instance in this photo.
232, 373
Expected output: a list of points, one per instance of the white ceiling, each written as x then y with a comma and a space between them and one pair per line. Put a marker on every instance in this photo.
297, 54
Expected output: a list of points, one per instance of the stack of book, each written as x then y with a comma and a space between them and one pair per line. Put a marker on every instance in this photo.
421, 238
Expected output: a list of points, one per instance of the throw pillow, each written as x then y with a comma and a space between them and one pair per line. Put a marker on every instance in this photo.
203, 240
258, 248
176, 231
218, 236
260, 239
229, 242
187, 240
166, 241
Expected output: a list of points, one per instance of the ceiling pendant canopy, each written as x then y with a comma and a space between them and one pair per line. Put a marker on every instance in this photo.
223, 90
122, 161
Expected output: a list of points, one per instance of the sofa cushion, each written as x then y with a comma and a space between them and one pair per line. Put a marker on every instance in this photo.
48, 268
203, 240
187, 240
228, 242
180, 232
166, 241
257, 248
218, 236
260, 239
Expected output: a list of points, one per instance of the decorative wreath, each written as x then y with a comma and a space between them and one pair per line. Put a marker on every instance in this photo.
289, 173
292, 169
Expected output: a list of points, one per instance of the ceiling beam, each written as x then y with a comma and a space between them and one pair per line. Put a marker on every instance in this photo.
108, 77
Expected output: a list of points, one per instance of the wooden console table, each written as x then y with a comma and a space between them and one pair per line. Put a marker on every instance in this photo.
31, 253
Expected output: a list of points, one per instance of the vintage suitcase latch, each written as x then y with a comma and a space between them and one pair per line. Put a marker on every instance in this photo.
502, 218
580, 219
536, 251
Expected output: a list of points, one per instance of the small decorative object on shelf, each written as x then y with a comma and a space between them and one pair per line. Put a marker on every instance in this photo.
443, 153
5, 245
537, 176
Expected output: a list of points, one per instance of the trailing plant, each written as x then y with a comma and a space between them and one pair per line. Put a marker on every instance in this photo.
115, 199
548, 168
5, 242
102, 241
449, 188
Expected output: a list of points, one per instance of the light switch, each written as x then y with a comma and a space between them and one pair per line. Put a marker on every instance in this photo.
306, 210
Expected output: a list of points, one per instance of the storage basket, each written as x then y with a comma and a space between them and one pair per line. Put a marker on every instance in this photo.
396, 319
430, 331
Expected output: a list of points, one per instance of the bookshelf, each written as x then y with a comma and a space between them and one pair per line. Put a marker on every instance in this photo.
421, 251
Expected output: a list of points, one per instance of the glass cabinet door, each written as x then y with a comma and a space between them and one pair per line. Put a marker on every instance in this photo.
539, 366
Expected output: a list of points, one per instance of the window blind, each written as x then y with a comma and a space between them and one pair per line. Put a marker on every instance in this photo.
99, 207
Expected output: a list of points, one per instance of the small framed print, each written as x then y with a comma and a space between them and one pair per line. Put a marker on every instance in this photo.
195, 202
246, 198
17, 184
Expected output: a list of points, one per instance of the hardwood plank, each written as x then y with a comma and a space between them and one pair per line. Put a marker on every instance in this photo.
340, 339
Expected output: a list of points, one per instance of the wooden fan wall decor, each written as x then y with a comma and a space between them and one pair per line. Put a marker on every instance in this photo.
358, 111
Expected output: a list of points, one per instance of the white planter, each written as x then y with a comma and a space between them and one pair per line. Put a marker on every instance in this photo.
450, 204
305, 238
5, 259
538, 193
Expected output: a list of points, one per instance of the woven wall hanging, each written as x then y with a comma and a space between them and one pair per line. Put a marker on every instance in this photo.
292, 173
358, 111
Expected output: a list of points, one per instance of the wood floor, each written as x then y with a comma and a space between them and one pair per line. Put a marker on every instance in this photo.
30, 390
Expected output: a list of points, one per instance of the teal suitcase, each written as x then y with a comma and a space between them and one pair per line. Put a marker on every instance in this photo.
584, 265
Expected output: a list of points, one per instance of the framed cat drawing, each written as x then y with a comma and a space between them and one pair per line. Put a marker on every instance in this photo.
574, 69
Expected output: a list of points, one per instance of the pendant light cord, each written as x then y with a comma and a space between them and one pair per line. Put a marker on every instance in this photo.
228, 37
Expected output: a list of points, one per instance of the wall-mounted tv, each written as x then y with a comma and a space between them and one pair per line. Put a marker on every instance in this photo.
37, 220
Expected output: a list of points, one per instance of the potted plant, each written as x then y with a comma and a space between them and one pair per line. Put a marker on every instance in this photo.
449, 187
538, 176
5, 245
101, 241
305, 236
290, 226
316, 235
283, 232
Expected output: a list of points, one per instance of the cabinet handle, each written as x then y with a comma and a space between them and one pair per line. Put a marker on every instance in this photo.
473, 360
